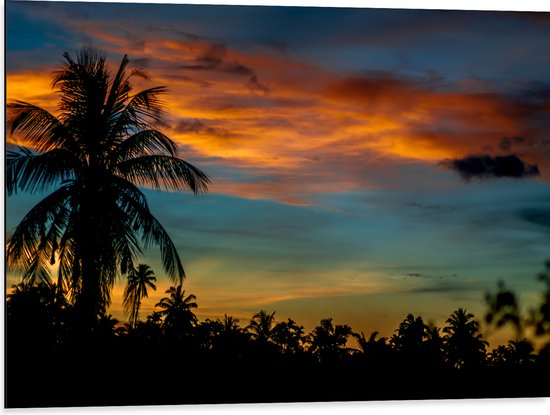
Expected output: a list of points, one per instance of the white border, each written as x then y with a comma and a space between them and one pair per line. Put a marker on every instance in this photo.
508, 5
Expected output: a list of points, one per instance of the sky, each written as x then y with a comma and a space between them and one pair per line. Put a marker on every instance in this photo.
366, 163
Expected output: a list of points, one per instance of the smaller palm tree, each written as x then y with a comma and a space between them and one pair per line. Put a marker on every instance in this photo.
328, 341
289, 336
261, 326
179, 318
520, 352
371, 345
230, 324
409, 337
136, 289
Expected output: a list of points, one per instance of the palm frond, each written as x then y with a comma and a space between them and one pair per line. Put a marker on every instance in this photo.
82, 83
146, 142
30, 234
119, 88
134, 204
40, 128
166, 172
37, 271
30, 172
143, 111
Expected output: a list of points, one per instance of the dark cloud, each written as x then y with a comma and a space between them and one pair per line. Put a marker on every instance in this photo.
214, 59
446, 287
416, 275
426, 276
197, 126
507, 143
536, 216
432, 208
180, 77
275, 45
371, 88
535, 92
189, 36
485, 166
255, 85
438, 289
211, 59
141, 62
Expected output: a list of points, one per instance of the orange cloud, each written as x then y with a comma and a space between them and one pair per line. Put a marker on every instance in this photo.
266, 113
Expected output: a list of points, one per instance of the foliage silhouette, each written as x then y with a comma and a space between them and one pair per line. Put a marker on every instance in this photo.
136, 288
102, 145
410, 336
289, 336
463, 342
516, 354
416, 363
328, 342
261, 326
176, 309
503, 308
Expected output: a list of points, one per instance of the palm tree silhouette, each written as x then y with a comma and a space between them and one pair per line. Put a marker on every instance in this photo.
410, 335
328, 341
520, 352
261, 326
463, 342
289, 336
138, 280
102, 145
372, 346
224, 336
230, 324
179, 318
433, 345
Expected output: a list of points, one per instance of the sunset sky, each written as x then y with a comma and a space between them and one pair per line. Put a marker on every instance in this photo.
357, 155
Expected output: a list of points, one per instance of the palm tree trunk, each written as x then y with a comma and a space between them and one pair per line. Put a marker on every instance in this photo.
136, 311
89, 301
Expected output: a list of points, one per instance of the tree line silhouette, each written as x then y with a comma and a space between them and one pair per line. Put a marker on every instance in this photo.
64, 349
172, 357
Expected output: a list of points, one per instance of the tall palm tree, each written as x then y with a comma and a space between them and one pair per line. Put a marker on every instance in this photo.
179, 318
138, 280
92, 156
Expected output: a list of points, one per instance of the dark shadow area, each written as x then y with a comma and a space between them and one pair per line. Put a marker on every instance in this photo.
173, 358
